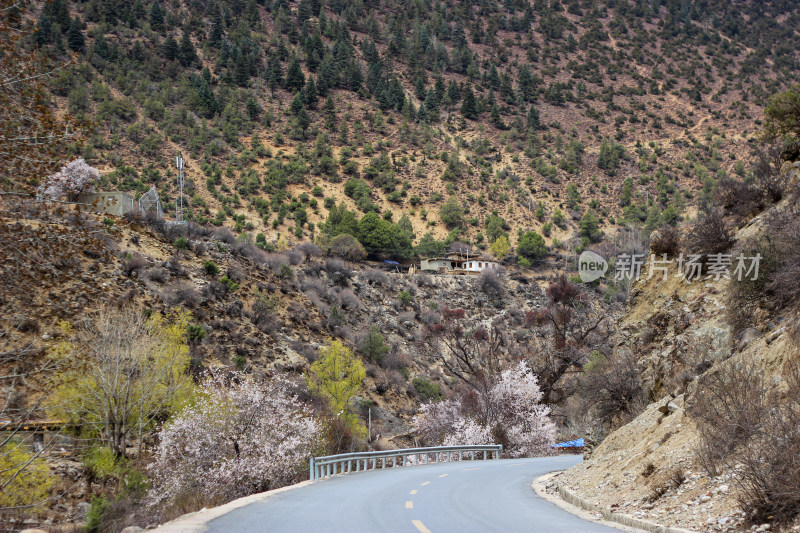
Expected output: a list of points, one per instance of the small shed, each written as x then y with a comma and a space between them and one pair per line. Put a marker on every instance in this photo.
111, 203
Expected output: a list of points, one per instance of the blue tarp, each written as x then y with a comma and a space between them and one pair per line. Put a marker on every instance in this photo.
389, 262
577, 443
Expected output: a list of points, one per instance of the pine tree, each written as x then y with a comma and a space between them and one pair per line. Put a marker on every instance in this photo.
533, 119
156, 17
311, 93
419, 88
170, 48
75, 39
241, 70
253, 108
469, 107
58, 12
217, 30
138, 12
274, 73
207, 103
330, 113
187, 53
298, 103
44, 30
100, 47
295, 79
453, 92
303, 120
493, 78
326, 79
497, 120
422, 114
525, 84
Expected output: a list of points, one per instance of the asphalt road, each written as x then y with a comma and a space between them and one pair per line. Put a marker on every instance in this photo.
459, 497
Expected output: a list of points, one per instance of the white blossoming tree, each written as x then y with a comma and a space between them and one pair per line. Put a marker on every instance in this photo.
513, 407
435, 420
241, 437
510, 412
467, 431
74, 178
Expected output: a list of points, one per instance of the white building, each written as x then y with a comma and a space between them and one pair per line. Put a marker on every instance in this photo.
458, 263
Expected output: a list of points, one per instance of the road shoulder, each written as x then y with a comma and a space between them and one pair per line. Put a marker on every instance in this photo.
588, 511
197, 522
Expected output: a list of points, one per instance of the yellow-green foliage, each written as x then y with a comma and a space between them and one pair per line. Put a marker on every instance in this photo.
337, 376
125, 373
500, 247
596, 360
31, 479
103, 463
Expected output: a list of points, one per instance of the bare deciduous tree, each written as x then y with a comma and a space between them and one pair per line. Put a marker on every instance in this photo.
576, 325
127, 372
470, 350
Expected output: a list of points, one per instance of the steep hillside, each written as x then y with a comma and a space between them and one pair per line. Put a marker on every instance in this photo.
708, 451
536, 111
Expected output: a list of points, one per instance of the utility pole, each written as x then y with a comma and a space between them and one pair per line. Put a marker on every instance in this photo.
179, 163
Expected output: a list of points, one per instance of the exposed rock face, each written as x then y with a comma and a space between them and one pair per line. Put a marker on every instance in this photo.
648, 467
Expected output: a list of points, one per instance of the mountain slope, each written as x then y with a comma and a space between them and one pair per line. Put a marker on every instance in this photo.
519, 108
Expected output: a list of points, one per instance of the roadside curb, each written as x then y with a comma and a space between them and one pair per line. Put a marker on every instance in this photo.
197, 522
570, 499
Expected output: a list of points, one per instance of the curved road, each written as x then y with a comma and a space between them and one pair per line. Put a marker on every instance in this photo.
458, 497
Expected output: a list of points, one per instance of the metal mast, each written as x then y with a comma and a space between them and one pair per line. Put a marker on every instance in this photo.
179, 163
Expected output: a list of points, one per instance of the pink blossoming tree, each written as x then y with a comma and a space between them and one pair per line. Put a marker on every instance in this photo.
74, 178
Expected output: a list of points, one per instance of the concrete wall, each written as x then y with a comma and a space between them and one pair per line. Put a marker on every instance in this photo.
434, 264
112, 203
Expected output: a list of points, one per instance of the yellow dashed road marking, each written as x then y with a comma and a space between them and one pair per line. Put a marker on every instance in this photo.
413, 492
420, 526
443, 475
409, 504
426, 483
468, 469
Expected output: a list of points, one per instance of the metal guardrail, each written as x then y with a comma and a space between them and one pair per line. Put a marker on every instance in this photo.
330, 465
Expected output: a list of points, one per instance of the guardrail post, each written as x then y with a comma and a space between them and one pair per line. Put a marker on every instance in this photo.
311, 469
484, 455
383, 462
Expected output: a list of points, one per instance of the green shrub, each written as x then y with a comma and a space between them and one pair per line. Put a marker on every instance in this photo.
195, 332
532, 246
211, 268
181, 243
405, 298
94, 517
427, 390
373, 345
229, 284
286, 271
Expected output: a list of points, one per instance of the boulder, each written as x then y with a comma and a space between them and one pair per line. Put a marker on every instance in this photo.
82, 510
